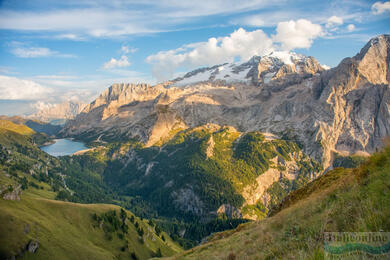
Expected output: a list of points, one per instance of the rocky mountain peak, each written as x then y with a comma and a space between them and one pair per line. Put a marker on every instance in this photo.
374, 60
119, 93
257, 70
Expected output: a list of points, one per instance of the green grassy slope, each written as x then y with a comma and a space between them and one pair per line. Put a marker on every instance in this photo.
18, 128
23, 130
67, 231
343, 200
64, 230
36, 125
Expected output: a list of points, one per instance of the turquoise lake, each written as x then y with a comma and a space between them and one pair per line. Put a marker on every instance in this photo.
63, 147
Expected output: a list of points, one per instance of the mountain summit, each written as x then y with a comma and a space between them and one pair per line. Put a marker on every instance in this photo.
258, 70
344, 109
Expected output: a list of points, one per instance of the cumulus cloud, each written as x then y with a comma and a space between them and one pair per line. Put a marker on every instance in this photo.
12, 88
114, 63
351, 27
334, 21
240, 44
297, 34
380, 8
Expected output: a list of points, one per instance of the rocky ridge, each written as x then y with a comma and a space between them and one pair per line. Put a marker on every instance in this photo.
344, 109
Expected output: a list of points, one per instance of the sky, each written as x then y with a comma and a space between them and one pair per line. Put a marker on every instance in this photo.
53, 50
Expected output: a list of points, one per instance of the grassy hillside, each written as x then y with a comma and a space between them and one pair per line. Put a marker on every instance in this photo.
68, 231
21, 129
343, 200
18, 128
19, 153
36, 125
64, 230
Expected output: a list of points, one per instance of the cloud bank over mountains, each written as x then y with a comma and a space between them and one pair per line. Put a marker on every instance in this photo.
130, 40
240, 44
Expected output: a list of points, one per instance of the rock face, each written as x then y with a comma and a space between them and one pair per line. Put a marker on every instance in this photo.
344, 109
229, 211
11, 193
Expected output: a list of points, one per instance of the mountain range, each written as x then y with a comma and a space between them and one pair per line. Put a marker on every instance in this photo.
343, 109
269, 141
262, 128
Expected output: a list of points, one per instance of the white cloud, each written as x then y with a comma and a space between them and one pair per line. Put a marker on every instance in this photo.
296, 34
126, 49
12, 88
114, 63
252, 20
32, 52
120, 17
17, 95
239, 44
69, 36
380, 8
40, 105
351, 27
56, 77
334, 21
22, 50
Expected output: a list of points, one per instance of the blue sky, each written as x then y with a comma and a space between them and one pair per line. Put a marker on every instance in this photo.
52, 51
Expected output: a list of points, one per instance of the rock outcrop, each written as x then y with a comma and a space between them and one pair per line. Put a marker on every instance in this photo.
229, 211
32, 246
11, 192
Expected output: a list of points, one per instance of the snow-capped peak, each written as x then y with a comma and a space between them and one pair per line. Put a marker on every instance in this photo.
286, 57
258, 69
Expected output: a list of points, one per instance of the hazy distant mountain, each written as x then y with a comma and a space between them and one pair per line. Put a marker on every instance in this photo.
57, 113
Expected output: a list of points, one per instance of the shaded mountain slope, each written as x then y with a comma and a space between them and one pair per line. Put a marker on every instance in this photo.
342, 200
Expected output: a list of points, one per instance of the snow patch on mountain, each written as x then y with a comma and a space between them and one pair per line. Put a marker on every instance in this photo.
265, 66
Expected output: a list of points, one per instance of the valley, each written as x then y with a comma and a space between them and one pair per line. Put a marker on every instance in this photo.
251, 160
